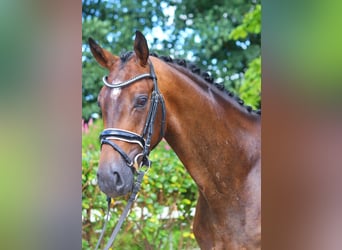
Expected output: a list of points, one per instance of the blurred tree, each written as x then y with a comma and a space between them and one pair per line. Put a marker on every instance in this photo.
250, 88
112, 24
197, 30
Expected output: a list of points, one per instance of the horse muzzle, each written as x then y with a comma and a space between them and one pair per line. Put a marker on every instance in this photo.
115, 178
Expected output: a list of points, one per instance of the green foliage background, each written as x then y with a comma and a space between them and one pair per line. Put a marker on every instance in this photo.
220, 36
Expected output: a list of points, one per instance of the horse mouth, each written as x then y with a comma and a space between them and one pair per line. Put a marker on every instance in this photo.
114, 191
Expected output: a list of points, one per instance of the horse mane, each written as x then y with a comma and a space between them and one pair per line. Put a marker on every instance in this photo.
207, 77
197, 71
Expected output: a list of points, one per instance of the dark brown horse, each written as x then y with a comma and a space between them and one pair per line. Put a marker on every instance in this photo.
215, 136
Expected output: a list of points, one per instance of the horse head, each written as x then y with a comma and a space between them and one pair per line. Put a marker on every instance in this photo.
133, 114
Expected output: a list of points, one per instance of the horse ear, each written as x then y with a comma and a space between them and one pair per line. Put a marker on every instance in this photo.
141, 48
102, 56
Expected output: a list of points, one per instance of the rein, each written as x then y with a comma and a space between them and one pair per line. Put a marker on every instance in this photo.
124, 213
143, 140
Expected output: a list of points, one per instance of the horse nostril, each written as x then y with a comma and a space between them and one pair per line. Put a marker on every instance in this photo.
117, 179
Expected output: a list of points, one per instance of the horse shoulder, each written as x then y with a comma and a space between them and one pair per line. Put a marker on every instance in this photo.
253, 205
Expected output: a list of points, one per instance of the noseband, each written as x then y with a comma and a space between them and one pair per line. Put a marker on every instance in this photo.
143, 140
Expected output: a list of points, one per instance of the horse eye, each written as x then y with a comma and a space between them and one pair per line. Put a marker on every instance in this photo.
140, 101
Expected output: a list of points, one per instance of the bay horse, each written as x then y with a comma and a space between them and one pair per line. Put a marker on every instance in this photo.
217, 138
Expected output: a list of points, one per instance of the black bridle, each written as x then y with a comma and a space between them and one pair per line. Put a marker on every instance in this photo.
143, 140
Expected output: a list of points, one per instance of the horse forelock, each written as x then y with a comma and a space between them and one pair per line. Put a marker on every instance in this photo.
125, 56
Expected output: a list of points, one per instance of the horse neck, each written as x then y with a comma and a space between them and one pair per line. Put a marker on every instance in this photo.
208, 130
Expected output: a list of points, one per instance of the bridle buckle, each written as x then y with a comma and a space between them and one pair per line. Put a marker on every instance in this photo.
144, 162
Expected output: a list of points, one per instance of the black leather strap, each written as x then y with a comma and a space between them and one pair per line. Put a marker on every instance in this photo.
125, 83
124, 214
127, 208
119, 150
105, 223
124, 135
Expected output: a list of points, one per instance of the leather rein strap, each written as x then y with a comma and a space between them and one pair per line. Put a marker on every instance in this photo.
124, 214
144, 141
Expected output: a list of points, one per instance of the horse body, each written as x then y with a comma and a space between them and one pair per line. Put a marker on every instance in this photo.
216, 138
218, 141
